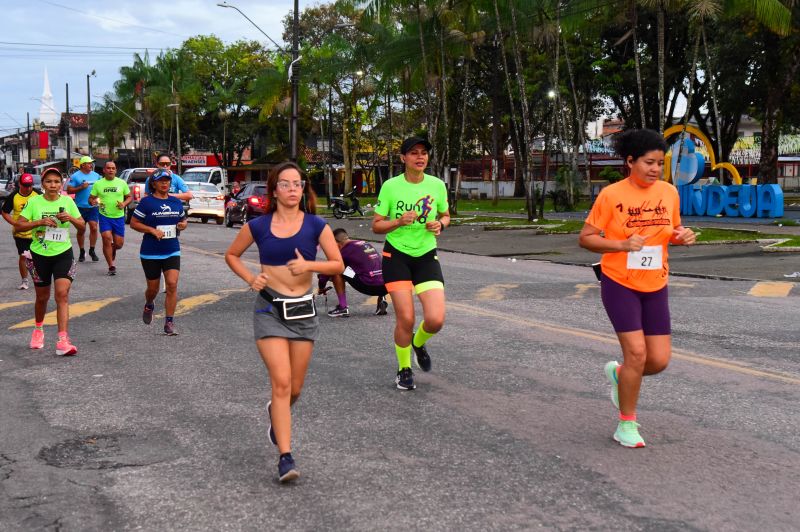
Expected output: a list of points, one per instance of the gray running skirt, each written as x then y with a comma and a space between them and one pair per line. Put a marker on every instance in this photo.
267, 323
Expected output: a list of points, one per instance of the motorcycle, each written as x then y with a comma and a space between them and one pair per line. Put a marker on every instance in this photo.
341, 207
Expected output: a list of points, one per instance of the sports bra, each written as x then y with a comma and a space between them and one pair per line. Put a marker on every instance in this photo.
275, 251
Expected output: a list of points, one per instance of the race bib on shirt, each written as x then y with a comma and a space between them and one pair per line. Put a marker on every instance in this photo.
349, 272
170, 231
648, 258
56, 234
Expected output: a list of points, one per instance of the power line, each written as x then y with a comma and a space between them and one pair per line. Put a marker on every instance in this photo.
77, 45
124, 23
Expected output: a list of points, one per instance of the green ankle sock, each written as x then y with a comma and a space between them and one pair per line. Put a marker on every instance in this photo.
421, 336
403, 356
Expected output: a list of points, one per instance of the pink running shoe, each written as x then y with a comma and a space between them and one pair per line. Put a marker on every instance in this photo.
37, 339
64, 347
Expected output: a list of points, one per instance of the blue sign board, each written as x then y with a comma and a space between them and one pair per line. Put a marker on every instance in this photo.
747, 201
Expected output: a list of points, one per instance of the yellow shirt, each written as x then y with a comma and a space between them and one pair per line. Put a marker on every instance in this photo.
14, 205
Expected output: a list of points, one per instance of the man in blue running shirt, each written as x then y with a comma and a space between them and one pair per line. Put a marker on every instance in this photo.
80, 184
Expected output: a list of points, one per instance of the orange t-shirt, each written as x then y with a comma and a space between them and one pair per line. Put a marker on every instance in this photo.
623, 209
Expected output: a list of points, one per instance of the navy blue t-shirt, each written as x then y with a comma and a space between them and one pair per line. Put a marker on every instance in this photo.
156, 212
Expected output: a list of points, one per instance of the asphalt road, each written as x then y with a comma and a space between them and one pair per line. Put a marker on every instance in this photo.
511, 430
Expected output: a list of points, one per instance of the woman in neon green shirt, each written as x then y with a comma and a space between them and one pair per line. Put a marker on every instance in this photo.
48, 217
412, 210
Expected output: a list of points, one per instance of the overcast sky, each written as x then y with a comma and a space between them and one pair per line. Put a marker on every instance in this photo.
68, 25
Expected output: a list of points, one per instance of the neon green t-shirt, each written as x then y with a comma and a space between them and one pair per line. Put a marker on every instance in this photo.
109, 192
428, 198
57, 239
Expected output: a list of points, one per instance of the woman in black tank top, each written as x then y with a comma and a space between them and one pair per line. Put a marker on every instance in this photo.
285, 321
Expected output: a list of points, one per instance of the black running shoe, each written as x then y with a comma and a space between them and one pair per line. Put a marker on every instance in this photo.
380, 309
82, 256
421, 357
112, 271
405, 379
339, 312
286, 469
271, 432
147, 314
94, 256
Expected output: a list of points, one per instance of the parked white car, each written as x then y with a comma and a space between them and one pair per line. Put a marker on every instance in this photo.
207, 202
216, 175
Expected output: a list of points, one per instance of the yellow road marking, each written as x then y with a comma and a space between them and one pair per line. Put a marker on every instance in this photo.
581, 289
494, 292
612, 340
190, 304
4, 306
771, 289
76, 310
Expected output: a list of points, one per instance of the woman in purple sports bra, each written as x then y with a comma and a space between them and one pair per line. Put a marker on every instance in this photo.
285, 320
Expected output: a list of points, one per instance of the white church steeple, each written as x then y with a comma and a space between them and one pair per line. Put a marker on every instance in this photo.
47, 111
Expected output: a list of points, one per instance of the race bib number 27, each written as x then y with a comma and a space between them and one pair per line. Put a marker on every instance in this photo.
648, 258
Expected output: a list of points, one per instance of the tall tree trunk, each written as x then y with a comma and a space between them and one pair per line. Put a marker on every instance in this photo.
689, 96
635, 21
661, 97
464, 92
713, 85
512, 108
580, 123
527, 132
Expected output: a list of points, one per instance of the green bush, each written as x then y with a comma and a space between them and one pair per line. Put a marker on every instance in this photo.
612, 175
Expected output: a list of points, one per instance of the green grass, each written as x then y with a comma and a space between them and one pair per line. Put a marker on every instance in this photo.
793, 242
707, 234
508, 205
498, 222
786, 222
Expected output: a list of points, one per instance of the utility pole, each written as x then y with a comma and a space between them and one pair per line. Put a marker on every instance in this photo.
177, 107
28, 135
88, 115
69, 136
295, 83
330, 144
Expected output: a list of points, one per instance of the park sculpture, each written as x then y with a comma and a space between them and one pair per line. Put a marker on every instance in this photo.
685, 167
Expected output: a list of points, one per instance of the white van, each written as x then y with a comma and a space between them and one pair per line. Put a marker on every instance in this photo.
216, 175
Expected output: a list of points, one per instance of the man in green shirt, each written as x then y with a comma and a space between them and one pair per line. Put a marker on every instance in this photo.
112, 195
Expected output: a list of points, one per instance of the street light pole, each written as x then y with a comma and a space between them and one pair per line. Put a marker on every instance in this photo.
293, 67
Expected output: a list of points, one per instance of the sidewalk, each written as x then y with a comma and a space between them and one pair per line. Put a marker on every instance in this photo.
743, 261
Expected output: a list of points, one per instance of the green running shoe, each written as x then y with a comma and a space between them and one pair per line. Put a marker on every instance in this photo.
627, 434
611, 375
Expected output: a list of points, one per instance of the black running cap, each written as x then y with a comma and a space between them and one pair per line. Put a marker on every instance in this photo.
413, 141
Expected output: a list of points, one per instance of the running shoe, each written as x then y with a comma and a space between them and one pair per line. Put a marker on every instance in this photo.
271, 432
24, 284
37, 339
65, 348
627, 434
380, 310
82, 256
94, 256
112, 271
339, 312
405, 379
169, 329
147, 314
286, 469
611, 374
421, 357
